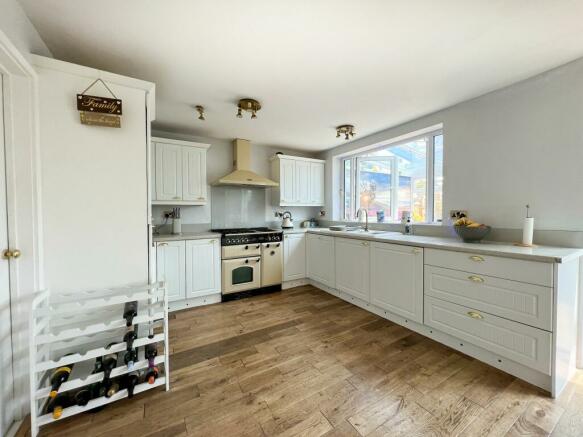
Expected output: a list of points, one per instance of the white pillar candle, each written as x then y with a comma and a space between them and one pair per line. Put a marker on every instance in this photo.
527, 231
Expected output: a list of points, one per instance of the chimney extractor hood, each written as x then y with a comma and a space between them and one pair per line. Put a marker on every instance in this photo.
242, 174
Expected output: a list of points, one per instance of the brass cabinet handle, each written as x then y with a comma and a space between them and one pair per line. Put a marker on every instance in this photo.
475, 278
477, 258
416, 250
201, 198
7, 254
162, 244
365, 243
475, 315
176, 198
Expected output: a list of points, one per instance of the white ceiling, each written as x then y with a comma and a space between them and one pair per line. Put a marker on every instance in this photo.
312, 64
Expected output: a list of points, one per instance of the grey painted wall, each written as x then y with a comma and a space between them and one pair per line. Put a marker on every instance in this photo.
233, 206
521, 144
19, 30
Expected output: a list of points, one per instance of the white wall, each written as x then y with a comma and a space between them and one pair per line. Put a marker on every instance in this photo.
18, 28
518, 145
219, 163
94, 182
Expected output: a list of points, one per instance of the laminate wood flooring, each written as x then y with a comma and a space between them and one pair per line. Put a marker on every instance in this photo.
303, 363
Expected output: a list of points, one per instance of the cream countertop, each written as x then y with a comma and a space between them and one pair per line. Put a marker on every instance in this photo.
186, 236
540, 253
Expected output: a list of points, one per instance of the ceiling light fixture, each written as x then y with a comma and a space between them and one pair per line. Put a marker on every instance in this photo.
200, 111
347, 130
248, 105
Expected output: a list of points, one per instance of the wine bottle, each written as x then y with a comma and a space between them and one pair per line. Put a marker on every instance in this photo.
58, 377
151, 352
152, 375
129, 338
108, 363
130, 358
58, 404
83, 396
111, 388
130, 310
131, 381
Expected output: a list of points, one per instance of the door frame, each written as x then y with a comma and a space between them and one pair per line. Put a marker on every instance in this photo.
21, 142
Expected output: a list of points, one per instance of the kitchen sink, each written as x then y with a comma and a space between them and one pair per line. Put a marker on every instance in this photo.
369, 232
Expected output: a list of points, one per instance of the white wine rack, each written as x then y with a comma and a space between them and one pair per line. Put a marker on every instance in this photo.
75, 328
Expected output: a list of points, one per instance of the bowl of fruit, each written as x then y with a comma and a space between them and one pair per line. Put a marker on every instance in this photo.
470, 231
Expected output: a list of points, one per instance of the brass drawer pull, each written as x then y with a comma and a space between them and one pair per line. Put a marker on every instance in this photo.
477, 258
475, 278
475, 315
365, 243
162, 244
176, 198
417, 250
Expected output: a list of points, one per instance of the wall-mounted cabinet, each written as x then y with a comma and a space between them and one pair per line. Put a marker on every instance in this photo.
179, 172
301, 180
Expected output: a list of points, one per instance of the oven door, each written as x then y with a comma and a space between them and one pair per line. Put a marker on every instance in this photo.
241, 274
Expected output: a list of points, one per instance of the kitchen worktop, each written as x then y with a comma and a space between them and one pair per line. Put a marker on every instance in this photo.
186, 236
547, 254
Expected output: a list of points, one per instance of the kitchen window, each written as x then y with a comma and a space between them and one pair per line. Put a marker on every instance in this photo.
397, 178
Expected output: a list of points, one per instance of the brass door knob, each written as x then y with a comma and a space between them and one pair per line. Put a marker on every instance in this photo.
7, 254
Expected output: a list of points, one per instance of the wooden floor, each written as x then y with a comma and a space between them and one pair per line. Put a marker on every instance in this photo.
302, 362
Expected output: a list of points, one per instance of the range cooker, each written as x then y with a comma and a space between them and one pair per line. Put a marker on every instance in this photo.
251, 259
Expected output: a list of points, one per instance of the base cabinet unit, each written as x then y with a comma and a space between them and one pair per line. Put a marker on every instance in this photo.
190, 269
301, 181
203, 267
352, 259
396, 274
521, 343
178, 170
171, 268
294, 256
320, 259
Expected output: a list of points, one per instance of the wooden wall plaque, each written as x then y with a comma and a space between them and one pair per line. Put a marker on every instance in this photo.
103, 105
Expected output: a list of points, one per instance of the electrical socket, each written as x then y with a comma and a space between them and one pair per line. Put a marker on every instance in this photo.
458, 213
167, 214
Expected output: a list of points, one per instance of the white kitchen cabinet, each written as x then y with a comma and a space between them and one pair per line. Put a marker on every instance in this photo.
180, 172
170, 268
396, 274
194, 174
353, 267
168, 172
320, 259
301, 181
317, 176
203, 267
294, 256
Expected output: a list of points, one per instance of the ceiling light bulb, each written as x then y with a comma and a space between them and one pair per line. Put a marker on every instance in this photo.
239, 113
346, 137
337, 134
253, 115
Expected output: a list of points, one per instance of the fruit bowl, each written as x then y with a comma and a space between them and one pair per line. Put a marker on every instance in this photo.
472, 234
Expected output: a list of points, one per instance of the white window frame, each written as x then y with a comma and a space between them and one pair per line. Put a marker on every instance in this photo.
355, 177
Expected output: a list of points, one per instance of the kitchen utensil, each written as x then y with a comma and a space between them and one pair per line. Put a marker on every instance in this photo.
472, 235
287, 221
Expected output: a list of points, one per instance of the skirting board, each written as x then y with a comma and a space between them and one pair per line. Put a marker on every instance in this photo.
295, 283
522, 372
194, 302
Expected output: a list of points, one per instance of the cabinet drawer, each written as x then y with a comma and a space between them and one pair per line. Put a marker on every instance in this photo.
532, 272
524, 344
517, 301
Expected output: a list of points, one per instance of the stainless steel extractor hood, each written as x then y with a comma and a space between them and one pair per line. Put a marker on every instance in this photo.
242, 174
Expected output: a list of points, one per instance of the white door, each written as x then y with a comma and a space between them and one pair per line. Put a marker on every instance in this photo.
6, 381
170, 268
317, 183
353, 267
203, 268
194, 174
168, 172
320, 259
287, 181
397, 279
294, 257
302, 182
